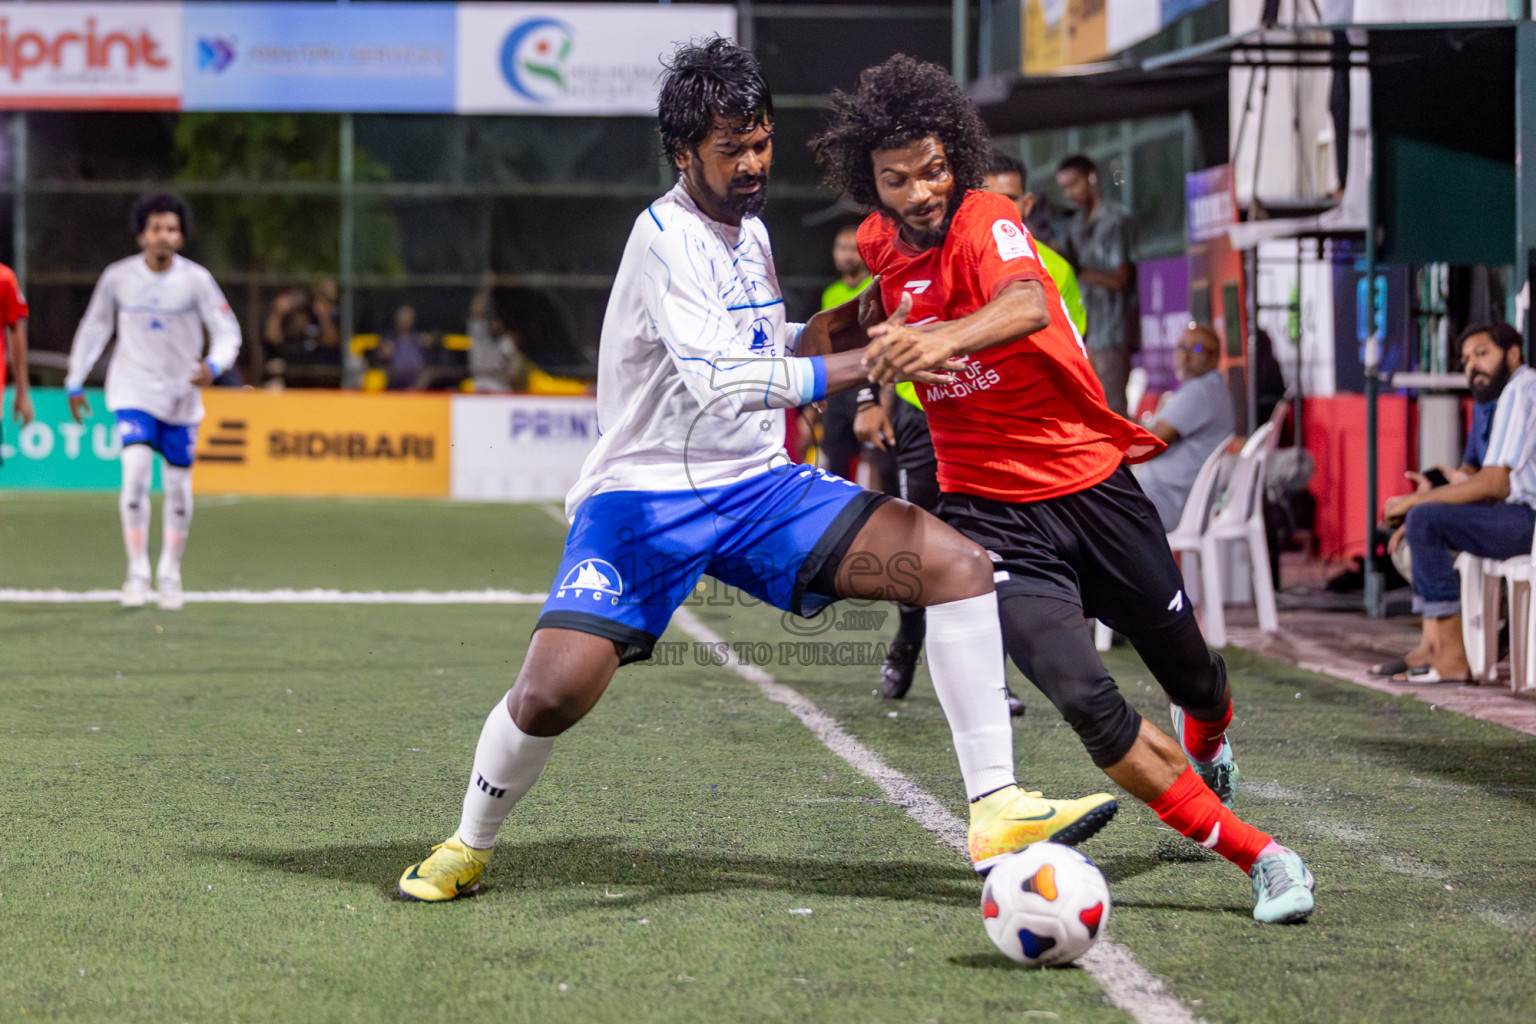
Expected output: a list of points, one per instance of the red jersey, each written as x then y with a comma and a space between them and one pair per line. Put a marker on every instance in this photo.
1026, 420
13, 307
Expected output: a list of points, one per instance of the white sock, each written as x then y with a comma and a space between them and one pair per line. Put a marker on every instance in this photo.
138, 463
507, 764
965, 658
176, 512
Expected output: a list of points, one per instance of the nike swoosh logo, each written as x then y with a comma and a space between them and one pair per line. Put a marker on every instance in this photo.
1038, 817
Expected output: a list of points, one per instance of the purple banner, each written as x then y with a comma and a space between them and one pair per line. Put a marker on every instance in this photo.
1163, 286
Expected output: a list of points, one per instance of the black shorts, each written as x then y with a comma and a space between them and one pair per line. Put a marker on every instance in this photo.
917, 468
1102, 548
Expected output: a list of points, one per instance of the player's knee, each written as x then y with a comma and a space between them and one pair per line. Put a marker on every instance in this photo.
545, 709
1104, 721
964, 570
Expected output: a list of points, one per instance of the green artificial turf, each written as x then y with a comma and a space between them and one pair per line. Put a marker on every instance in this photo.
205, 812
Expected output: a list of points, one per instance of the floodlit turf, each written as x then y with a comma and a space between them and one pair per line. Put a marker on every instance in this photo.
205, 812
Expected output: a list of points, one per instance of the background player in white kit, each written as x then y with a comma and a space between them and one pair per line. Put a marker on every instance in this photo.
157, 303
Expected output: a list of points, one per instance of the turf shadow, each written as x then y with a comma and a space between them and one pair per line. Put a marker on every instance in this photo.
1502, 766
998, 962
642, 874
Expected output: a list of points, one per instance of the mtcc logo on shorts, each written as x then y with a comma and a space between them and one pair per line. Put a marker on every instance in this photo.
533, 58
594, 575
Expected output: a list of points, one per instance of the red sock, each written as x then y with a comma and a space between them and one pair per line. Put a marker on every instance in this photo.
1201, 738
1190, 808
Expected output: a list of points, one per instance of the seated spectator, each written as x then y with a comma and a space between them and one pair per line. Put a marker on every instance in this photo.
1489, 512
496, 361
1193, 420
301, 336
402, 351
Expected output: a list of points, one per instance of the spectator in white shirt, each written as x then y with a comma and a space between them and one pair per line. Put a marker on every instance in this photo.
1490, 514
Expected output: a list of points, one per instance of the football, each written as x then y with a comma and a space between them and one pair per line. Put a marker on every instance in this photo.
1045, 905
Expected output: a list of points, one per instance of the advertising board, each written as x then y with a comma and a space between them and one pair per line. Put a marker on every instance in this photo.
119, 56
323, 443
53, 452
573, 58
394, 57
519, 447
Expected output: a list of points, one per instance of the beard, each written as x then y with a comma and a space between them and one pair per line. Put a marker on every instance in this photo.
750, 204
931, 238
1488, 389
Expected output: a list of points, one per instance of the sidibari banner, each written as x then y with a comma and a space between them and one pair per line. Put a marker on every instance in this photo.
395, 57
573, 58
323, 443
519, 447
96, 56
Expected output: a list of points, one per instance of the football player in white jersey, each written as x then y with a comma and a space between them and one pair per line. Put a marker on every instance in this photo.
157, 303
690, 477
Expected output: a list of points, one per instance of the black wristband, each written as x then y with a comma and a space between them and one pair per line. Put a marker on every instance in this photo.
866, 396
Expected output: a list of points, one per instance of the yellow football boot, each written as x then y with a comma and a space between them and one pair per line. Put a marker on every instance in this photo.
453, 870
1010, 819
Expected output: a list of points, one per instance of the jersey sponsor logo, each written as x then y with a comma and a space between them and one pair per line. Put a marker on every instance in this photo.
1012, 242
595, 575
1177, 604
916, 287
973, 377
762, 335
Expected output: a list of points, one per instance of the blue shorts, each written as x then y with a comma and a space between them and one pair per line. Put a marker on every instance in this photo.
175, 441
633, 556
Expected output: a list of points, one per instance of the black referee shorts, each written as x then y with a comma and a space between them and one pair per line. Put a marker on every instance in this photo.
1101, 553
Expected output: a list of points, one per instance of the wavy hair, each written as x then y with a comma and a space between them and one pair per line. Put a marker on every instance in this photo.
901, 101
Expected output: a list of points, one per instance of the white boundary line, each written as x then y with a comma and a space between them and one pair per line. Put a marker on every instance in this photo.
315, 596
1127, 984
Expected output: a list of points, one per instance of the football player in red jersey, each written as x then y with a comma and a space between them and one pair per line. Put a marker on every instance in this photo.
1032, 462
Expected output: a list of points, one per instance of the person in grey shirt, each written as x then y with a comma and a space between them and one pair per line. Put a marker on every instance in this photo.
1100, 241
1193, 420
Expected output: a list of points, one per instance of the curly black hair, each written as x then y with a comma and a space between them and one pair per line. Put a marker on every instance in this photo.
899, 102
705, 81
158, 202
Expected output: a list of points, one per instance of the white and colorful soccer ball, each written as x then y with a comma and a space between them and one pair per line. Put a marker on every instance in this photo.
1046, 904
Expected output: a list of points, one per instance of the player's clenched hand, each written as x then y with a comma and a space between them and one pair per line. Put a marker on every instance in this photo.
873, 427
79, 408
204, 376
896, 351
871, 307
22, 407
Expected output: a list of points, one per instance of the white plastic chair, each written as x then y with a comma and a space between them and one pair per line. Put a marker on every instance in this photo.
1185, 538
1480, 612
1480, 616
1192, 521
1135, 390
1239, 520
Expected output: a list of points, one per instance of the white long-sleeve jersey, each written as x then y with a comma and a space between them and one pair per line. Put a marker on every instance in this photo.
159, 320
696, 366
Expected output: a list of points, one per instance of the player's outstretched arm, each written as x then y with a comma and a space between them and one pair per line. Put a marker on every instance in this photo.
898, 352
90, 341
16, 343
223, 328
843, 328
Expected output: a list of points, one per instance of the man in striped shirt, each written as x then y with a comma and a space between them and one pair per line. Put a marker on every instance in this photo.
1490, 514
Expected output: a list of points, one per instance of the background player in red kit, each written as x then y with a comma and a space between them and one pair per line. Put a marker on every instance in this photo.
1032, 462
13, 323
